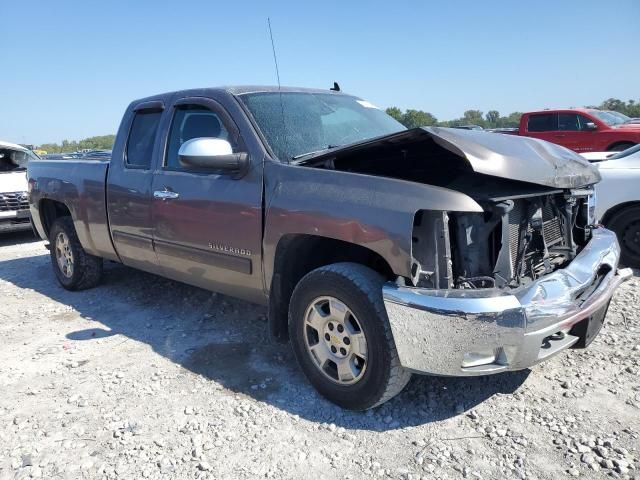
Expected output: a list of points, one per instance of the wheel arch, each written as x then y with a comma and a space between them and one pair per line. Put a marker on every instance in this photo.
609, 214
612, 147
50, 211
298, 254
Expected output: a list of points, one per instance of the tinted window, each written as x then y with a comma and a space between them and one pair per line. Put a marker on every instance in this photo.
568, 121
192, 122
141, 138
583, 122
544, 122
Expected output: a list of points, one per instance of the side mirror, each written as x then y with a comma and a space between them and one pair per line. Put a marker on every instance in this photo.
211, 153
590, 126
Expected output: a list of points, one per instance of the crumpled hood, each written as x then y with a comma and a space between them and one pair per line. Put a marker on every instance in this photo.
506, 156
517, 158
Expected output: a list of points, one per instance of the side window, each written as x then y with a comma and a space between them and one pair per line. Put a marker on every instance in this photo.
192, 121
583, 122
141, 138
568, 122
542, 122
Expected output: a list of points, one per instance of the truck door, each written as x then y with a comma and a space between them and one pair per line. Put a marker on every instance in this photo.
571, 133
545, 127
129, 186
208, 224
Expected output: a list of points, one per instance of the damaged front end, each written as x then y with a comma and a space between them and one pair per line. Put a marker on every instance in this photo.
513, 242
537, 200
506, 287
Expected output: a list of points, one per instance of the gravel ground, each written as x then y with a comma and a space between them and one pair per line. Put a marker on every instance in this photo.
143, 377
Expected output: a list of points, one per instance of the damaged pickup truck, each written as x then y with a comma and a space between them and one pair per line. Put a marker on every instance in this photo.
379, 251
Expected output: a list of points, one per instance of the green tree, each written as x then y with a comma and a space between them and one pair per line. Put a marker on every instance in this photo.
412, 118
102, 142
473, 117
492, 117
395, 112
418, 118
513, 120
614, 104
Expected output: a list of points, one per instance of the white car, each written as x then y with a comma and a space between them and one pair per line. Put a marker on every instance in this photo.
598, 156
14, 199
618, 201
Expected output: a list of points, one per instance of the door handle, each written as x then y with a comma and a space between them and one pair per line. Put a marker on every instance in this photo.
165, 194
559, 135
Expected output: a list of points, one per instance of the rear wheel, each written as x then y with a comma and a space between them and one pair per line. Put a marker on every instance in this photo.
341, 336
75, 269
626, 225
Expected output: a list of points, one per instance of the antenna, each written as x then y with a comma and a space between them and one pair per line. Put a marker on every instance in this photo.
275, 60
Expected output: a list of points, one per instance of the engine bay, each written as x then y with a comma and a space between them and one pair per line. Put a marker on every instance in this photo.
516, 241
526, 230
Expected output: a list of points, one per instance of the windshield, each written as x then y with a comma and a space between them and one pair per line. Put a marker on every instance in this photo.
625, 153
608, 117
14, 160
309, 122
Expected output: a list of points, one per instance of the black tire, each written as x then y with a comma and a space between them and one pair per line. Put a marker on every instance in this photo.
87, 269
619, 147
360, 289
626, 225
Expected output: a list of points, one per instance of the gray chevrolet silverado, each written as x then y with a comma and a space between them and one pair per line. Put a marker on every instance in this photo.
380, 251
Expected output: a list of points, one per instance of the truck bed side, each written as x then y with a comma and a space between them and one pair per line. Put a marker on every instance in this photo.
79, 187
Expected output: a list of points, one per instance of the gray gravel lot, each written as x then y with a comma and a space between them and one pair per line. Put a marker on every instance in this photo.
143, 377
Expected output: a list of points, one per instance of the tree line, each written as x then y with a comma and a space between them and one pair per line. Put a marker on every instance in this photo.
492, 119
101, 142
409, 118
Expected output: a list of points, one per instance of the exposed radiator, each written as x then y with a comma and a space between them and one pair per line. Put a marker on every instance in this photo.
551, 230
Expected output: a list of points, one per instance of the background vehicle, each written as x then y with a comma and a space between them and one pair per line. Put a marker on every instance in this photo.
598, 156
14, 201
618, 204
468, 127
380, 251
96, 154
581, 129
624, 118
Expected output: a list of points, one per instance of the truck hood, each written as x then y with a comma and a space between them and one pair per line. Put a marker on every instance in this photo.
505, 156
13, 182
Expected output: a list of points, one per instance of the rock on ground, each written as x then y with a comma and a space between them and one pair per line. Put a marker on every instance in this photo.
147, 378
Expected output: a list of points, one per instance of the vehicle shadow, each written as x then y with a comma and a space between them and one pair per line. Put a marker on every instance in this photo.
17, 238
227, 341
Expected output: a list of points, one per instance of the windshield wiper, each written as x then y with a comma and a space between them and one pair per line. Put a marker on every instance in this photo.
329, 147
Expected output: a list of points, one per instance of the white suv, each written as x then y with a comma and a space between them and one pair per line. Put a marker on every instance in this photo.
14, 199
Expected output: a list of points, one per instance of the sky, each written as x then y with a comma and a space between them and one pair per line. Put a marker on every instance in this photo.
69, 68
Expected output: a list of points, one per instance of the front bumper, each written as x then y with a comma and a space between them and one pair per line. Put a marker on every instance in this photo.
14, 220
484, 331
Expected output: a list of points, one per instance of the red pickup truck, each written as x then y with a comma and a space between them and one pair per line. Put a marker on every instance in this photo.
580, 129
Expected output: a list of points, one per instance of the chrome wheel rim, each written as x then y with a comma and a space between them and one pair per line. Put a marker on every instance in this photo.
335, 340
64, 255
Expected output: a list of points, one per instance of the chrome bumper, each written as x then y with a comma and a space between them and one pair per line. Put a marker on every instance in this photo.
484, 331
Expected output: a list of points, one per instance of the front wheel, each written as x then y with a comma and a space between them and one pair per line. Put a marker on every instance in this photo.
341, 336
75, 269
626, 225
621, 147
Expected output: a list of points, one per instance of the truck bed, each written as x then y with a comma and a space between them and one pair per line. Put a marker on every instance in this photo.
80, 185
